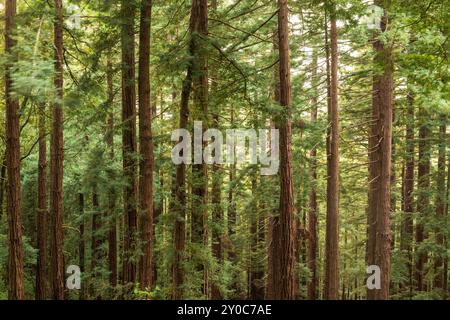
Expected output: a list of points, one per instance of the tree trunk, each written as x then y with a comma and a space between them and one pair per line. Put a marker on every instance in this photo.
129, 141
81, 246
146, 145
41, 270
198, 33
313, 213
285, 288
382, 105
423, 201
332, 227
440, 208
95, 240
178, 203
2, 183
112, 228
408, 197
56, 164
15, 254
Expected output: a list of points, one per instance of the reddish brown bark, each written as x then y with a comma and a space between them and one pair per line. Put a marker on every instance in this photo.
285, 288
129, 141
380, 146
41, 268
146, 145
332, 224
313, 213
56, 163
15, 253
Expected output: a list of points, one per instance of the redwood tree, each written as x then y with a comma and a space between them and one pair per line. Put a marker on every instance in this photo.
332, 222
41, 268
145, 145
15, 254
129, 140
380, 149
285, 288
56, 163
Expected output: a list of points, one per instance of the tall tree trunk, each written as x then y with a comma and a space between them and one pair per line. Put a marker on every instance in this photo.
129, 141
178, 203
423, 201
285, 288
15, 254
332, 223
198, 33
81, 246
440, 207
112, 226
273, 230
56, 163
146, 144
382, 105
313, 213
408, 206
41, 270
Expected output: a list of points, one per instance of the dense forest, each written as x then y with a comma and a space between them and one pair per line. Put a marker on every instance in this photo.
225, 149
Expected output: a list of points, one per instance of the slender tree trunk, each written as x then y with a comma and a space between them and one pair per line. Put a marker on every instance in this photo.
273, 234
129, 141
332, 228
56, 164
382, 103
15, 254
313, 212
2, 183
445, 280
285, 288
41, 270
81, 246
407, 232
146, 144
112, 221
95, 230
440, 207
423, 201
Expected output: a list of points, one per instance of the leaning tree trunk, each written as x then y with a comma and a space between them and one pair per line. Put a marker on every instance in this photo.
56, 164
145, 145
129, 141
15, 254
285, 288
332, 223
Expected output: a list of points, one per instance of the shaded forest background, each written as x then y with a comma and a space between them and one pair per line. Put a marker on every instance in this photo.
93, 90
